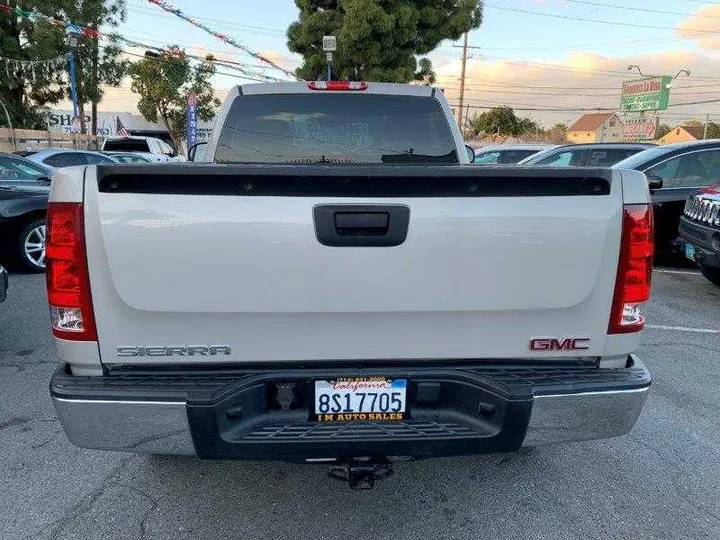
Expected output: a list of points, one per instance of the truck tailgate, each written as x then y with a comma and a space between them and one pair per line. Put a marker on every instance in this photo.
186, 257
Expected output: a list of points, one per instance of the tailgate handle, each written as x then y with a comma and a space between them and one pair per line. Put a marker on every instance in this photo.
361, 225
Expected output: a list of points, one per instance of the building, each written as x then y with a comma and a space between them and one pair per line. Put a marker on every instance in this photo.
596, 127
61, 121
682, 134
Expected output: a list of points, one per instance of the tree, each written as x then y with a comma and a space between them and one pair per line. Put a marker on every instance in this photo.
662, 130
499, 120
378, 40
25, 91
96, 65
525, 125
164, 82
559, 128
713, 131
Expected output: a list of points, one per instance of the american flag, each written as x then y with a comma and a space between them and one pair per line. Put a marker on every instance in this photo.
120, 129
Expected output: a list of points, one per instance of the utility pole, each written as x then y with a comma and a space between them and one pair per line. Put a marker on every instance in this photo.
707, 121
462, 81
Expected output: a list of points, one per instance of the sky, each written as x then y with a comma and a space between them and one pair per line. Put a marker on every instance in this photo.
549, 59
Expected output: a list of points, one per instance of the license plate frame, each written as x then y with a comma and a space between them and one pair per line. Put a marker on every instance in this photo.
392, 408
690, 251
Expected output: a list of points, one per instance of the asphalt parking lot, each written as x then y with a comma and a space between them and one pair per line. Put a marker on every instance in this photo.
660, 481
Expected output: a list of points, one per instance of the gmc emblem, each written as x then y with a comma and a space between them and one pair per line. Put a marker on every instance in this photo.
554, 344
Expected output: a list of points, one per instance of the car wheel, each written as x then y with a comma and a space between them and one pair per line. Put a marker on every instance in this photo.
712, 274
31, 246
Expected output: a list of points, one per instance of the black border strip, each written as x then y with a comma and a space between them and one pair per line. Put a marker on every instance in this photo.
354, 181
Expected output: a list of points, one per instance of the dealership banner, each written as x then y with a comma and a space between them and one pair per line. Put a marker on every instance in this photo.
639, 128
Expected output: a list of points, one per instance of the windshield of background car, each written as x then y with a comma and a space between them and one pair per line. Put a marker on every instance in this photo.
503, 157
15, 169
639, 159
335, 128
560, 158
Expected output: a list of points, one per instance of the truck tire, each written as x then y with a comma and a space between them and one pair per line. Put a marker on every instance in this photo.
712, 274
31, 246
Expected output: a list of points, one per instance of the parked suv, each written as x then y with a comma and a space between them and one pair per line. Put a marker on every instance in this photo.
585, 155
700, 232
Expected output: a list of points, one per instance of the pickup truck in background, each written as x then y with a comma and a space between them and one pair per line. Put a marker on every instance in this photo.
341, 287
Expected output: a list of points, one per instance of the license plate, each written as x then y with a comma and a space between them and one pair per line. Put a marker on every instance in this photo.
360, 399
690, 251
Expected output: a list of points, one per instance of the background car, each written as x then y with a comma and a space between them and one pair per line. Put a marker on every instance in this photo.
699, 233
130, 157
156, 149
3, 284
18, 171
58, 158
674, 173
507, 153
22, 224
586, 155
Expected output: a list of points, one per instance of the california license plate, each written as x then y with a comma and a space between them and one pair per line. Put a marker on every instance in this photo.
361, 399
690, 251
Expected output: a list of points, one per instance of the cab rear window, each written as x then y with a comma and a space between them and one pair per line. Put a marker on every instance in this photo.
126, 145
336, 128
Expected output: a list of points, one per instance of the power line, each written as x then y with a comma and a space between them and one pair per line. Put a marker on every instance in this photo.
524, 107
258, 30
585, 19
555, 87
162, 43
575, 45
165, 6
643, 10
235, 75
599, 72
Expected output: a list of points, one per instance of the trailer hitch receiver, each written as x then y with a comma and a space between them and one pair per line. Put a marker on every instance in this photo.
360, 473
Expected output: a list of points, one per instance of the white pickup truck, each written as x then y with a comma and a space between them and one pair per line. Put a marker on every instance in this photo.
341, 287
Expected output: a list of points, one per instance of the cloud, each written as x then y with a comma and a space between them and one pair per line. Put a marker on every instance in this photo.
704, 27
581, 81
286, 60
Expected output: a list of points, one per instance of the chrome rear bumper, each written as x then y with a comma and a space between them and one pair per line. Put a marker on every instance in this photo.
166, 427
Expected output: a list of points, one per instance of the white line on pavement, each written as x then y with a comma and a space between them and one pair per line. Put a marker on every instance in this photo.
683, 329
686, 272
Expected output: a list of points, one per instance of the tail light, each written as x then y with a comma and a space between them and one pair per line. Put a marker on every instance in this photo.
337, 85
634, 274
68, 282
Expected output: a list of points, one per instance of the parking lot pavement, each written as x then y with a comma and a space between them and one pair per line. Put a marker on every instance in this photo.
660, 481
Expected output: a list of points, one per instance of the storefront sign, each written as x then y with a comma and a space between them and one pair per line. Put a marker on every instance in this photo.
649, 94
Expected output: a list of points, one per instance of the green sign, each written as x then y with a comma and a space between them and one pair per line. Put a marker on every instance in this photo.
649, 94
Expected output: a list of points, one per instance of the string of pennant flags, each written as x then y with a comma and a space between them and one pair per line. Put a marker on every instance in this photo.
165, 6
251, 74
34, 15
31, 69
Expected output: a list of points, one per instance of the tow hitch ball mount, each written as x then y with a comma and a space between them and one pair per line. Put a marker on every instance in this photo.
360, 473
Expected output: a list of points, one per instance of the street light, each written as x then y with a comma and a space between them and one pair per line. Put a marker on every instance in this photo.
329, 46
635, 66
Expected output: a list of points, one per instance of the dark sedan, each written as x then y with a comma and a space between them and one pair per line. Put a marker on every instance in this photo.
24, 189
675, 172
